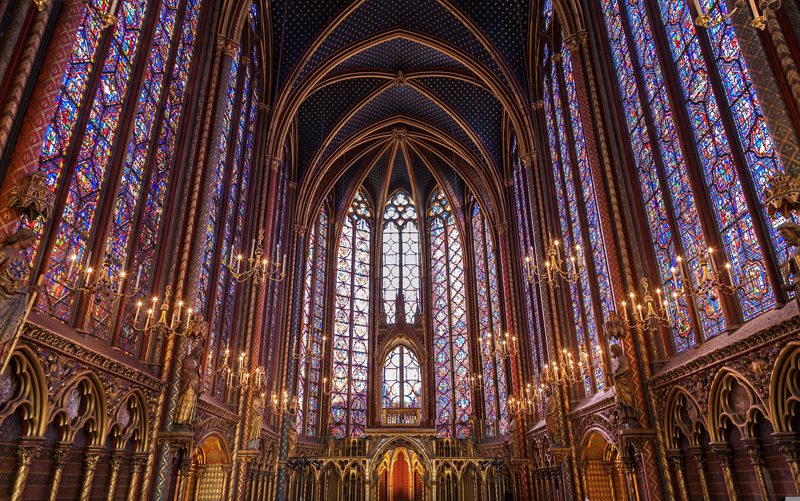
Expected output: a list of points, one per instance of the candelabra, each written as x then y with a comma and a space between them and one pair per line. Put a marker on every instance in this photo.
564, 369
502, 347
650, 313
306, 353
555, 267
705, 20
176, 323
258, 267
474, 381
241, 377
527, 404
282, 405
709, 283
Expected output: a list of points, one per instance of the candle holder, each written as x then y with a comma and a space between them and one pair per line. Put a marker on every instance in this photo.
713, 280
305, 352
529, 403
176, 323
556, 268
474, 381
504, 346
564, 370
650, 313
759, 22
283, 405
257, 267
241, 377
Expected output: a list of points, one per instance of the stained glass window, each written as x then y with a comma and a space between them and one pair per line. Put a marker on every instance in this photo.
402, 379
400, 256
526, 242
308, 386
91, 162
725, 188
495, 389
351, 327
76, 160
449, 309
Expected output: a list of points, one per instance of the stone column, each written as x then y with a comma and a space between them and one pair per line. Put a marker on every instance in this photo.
629, 466
60, 456
753, 449
725, 454
116, 460
610, 467
137, 461
26, 451
699, 458
675, 457
90, 459
789, 445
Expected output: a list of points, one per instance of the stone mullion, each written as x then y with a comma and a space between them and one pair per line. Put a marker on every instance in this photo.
299, 238
200, 194
789, 445
28, 141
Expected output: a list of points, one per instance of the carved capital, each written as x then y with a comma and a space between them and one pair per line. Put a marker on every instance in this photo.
33, 197
789, 445
26, 451
528, 158
90, 460
572, 42
537, 105
228, 46
399, 134
753, 449
60, 456
723, 451
41, 5
782, 195
699, 457
300, 230
675, 458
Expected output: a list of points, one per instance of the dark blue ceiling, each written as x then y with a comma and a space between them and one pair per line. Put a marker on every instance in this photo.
325, 108
399, 54
406, 101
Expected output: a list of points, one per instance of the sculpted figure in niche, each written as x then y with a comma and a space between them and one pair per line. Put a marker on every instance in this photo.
14, 270
791, 268
551, 417
623, 384
189, 386
256, 416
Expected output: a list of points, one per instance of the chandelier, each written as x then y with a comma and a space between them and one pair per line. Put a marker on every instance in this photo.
567, 268
502, 347
241, 377
257, 267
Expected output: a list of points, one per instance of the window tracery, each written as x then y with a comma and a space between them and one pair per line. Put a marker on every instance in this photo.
351, 324
400, 256
449, 311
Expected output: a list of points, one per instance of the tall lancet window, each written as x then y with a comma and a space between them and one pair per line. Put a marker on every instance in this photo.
450, 346
495, 390
402, 379
351, 329
400, 257
308, 385
97, 162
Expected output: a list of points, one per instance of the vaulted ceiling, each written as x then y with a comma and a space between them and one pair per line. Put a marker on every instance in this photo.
351, 76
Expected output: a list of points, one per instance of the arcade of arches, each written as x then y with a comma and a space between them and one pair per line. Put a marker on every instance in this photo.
399, 250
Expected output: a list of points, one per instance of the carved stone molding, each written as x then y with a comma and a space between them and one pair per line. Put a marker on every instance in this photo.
228, 46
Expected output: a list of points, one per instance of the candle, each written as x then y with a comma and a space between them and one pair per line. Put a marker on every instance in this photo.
728, 271
666, 309
138, 278
147, 320
238, 263
252, 249
283, 268
639, 307
625, 311
121, 281
180, 305
88, 260
72, 260
138, 307
710, 252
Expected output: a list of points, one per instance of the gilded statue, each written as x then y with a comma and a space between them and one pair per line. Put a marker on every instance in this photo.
189, 385
14, 271
551, 416
791, 268
623, 384
252, 432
